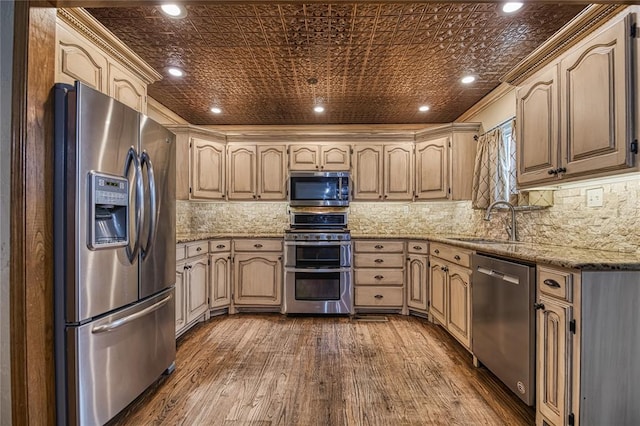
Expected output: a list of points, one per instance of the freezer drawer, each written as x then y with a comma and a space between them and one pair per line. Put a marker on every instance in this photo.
113, 360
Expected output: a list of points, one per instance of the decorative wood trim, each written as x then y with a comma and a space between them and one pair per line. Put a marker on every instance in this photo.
574, 31
486, 102
31, 264
81, 21
196, 131
446, 130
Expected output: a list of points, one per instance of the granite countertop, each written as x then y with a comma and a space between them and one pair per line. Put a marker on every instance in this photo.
566, 257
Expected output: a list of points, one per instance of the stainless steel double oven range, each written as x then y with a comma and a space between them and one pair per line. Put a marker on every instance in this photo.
318, 264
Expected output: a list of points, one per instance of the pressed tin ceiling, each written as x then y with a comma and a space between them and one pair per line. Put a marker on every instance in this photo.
375, 63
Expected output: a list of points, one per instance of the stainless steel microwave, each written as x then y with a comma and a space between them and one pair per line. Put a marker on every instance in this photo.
319, 189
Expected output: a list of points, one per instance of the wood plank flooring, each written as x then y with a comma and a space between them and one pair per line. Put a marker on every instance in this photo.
265, 369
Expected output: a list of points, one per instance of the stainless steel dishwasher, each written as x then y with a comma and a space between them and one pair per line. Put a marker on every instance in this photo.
503, 321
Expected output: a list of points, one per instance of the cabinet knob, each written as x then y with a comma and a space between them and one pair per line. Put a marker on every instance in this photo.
199, 249
561, 170
220, 246
538, 306
379, 246
279, 257
378, 277
551, 283
378, 296
254, 196
436, 251
380, 196
552, 172
317, 167
378, 260
456, 257
257, 245
259, 196
385, 195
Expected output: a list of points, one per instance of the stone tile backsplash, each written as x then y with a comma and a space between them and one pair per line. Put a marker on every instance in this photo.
614, 226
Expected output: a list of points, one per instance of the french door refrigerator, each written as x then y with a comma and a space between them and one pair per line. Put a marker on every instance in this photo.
114, 239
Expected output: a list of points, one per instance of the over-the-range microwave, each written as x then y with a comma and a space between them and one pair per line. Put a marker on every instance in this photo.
330, 189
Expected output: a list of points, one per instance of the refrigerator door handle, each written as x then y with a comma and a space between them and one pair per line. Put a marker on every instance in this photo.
129, 318
153, 201
132, 158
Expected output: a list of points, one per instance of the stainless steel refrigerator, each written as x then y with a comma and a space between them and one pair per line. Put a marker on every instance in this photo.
114, 239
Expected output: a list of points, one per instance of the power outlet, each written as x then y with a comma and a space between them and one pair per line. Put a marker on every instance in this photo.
595, 197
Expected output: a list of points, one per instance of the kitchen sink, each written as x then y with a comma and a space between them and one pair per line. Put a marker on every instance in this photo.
477, 240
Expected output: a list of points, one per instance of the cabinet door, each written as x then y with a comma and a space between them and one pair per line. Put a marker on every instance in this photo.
272, 172
335, 157
398, 172
181, 277
432, 169
196, 289
537, 128
438, 291
459, 309
127, 89
417, 281
257, 279
242, 172
76, 59
367, 171
596, 81
304, 157
220, 280
553, 360
207, 169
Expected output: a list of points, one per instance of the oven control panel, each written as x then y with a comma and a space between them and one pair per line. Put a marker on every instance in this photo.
317, 236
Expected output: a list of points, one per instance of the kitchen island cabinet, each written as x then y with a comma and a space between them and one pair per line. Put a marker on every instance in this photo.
257, 278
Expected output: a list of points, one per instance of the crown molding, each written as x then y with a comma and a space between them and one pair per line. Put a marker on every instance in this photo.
486, 102
81, 21
169, 116
574, 31
197, 131
447, 129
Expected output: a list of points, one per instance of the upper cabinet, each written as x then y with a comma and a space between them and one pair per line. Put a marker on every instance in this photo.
323, 157
573, 117
383, 172
444, 162
86, 51
257, 172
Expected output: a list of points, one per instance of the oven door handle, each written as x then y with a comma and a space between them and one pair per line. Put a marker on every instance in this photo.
318, 270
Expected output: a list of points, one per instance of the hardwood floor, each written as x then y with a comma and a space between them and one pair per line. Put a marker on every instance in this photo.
265, 369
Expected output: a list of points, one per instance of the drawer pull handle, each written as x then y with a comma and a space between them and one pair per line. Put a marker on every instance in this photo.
378, 296
378, 260
379, 246
199, 249
436, 251
257, 245
417, 248
538, 306
456, 257
220, 246
552, 283
378, 277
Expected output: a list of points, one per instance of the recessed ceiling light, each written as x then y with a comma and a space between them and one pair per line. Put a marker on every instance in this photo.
423, 108
318, 108
176, 72
173, 10
468, 79
511, 7
216, 110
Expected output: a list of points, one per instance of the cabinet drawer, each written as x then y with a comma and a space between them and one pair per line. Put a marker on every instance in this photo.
453, 254
219, 245
379, 296
197, 248
381, 260
180, 252
557, 283
418, 247
379, 246
257, 245
378, 276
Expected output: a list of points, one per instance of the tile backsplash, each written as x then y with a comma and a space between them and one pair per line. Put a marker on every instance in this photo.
614, 226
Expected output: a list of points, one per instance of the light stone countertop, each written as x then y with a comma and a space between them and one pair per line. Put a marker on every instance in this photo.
566, 257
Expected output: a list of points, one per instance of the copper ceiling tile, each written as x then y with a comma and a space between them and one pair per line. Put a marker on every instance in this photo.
374, 62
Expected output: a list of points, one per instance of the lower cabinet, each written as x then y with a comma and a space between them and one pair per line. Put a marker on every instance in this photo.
450, 290
378, 275
417, 275
192, 284
257, 272
220, 268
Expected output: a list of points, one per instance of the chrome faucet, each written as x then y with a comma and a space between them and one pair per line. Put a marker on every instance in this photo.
512, 229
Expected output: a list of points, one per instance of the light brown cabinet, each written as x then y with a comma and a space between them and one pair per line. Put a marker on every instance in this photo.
573, 118
181, 319
257, 172
207, 169
450, 290
323, 157
257, 271
192, 282
417, 275
378, 274
383, 172
444, 161
219, 274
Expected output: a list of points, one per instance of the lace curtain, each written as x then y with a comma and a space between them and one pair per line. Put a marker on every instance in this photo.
494, 175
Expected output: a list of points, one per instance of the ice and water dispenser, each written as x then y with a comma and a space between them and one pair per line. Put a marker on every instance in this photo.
109, 211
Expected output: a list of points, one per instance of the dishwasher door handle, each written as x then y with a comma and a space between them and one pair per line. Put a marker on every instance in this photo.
504, 277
